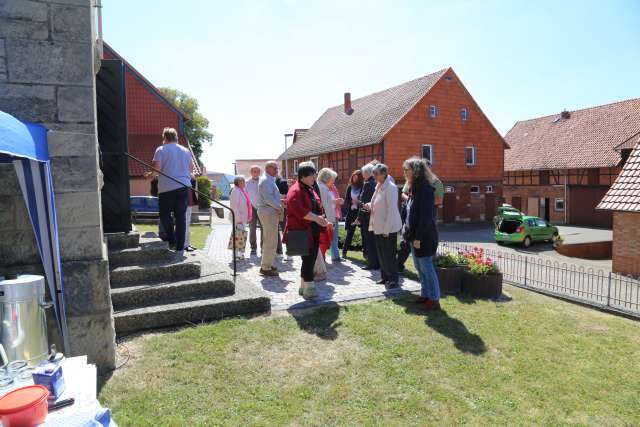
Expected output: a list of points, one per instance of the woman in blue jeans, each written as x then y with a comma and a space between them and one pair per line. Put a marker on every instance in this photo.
420, 231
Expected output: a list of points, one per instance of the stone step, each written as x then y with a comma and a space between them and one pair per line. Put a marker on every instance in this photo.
122, 240
214, 286
147, 252
163, 271
248, 299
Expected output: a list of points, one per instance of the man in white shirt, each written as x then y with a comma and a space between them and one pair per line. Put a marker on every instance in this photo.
252, 190
269, 206
173, 160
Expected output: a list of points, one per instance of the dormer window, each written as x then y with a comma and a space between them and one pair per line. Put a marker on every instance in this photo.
464, 114
433, 111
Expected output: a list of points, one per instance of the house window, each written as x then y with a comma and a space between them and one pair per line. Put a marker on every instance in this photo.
433, 111
427, 152
314, 160
470, 156
488, 188
464, 114
449, 189
295, 166
475, 189
559, 205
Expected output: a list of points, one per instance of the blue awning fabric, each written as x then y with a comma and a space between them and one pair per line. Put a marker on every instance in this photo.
25, 145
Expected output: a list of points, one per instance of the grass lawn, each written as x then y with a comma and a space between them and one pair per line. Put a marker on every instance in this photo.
199, 233
533, 360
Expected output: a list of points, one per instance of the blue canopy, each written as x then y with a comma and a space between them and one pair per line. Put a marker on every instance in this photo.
25, 145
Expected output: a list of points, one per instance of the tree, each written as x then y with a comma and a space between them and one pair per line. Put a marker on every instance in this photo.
195, 128
204, 186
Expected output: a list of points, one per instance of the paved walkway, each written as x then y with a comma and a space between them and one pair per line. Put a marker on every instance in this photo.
346, 281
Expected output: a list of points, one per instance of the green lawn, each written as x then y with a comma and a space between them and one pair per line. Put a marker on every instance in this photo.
533, 360
199, 233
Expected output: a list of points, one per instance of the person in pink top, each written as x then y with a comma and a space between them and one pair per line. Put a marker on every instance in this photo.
240, 203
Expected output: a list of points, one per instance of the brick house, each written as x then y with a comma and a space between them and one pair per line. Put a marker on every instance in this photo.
560, 166
623, 199
434, 117
148, 113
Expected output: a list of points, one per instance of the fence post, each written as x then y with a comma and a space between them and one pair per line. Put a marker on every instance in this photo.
526, 258
609, 290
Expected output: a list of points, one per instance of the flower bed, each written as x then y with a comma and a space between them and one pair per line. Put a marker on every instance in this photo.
449, 273
482, 279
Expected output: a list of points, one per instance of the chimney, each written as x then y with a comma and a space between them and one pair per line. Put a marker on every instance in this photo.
565, 114
347, 103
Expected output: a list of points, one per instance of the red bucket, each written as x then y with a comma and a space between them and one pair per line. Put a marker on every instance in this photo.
24, 407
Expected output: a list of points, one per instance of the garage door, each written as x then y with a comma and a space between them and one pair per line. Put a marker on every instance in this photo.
582, 207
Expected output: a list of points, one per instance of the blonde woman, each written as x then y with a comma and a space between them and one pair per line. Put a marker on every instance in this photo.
326, 179
240, 203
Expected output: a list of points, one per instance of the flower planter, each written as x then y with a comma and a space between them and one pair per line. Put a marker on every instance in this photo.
482, 286
450, 279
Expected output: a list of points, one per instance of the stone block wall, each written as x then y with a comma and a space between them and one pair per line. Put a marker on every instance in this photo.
47, 75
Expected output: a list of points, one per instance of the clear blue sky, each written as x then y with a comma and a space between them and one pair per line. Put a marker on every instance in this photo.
263, 68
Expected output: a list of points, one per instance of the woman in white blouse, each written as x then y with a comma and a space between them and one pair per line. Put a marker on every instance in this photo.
326, 177
240, 203
385, 222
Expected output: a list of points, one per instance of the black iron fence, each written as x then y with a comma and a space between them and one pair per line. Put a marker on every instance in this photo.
599, 288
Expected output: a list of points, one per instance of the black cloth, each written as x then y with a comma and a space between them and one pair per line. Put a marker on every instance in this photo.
386, 248
283, 187
403, 254
421, 220
175, 202
368, 239
352, 215
309, 261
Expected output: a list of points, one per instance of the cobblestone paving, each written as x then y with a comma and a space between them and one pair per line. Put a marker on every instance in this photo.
346, 281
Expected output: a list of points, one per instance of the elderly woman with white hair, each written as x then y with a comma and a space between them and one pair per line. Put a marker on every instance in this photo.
385, 222
326, 179
240, 203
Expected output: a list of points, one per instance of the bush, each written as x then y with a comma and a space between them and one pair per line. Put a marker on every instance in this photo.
204, 186
356, 242
446, 261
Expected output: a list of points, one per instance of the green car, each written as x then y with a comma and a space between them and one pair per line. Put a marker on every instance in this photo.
504, 209
519, 228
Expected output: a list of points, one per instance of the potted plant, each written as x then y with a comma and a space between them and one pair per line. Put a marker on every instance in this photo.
483, 279
460, 259
449, 273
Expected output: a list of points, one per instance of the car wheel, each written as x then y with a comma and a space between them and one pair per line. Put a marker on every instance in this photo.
554, 238
526, 242
500, 243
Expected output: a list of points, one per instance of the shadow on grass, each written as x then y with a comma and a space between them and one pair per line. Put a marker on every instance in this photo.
321, 320
445, 325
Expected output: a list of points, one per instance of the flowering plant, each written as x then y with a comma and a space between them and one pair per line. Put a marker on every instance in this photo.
446, 261
479, 264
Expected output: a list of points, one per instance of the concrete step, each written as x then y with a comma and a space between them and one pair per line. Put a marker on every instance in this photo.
122, 240
147, 252
248, 299
172, 270
214, 286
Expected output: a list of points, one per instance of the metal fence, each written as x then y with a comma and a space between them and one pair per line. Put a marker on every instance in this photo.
598, 288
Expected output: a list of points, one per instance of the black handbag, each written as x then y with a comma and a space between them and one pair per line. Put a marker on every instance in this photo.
297, 243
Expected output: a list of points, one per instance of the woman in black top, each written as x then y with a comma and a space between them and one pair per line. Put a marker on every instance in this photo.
420, 231
351, 201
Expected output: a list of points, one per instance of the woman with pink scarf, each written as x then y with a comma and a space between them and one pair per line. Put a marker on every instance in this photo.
241, 206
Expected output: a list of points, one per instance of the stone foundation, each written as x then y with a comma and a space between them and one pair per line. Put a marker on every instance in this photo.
47, 75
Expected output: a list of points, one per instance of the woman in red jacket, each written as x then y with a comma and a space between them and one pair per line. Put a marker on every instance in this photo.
304, 213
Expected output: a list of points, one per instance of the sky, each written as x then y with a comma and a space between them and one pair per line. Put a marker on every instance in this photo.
260, 69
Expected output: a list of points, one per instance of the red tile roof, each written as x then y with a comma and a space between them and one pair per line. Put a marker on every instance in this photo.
144, 147
586, 139
373, 116
629, 143
624, 194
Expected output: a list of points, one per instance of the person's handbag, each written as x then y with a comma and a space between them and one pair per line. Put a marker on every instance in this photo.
297, 243
320, 268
